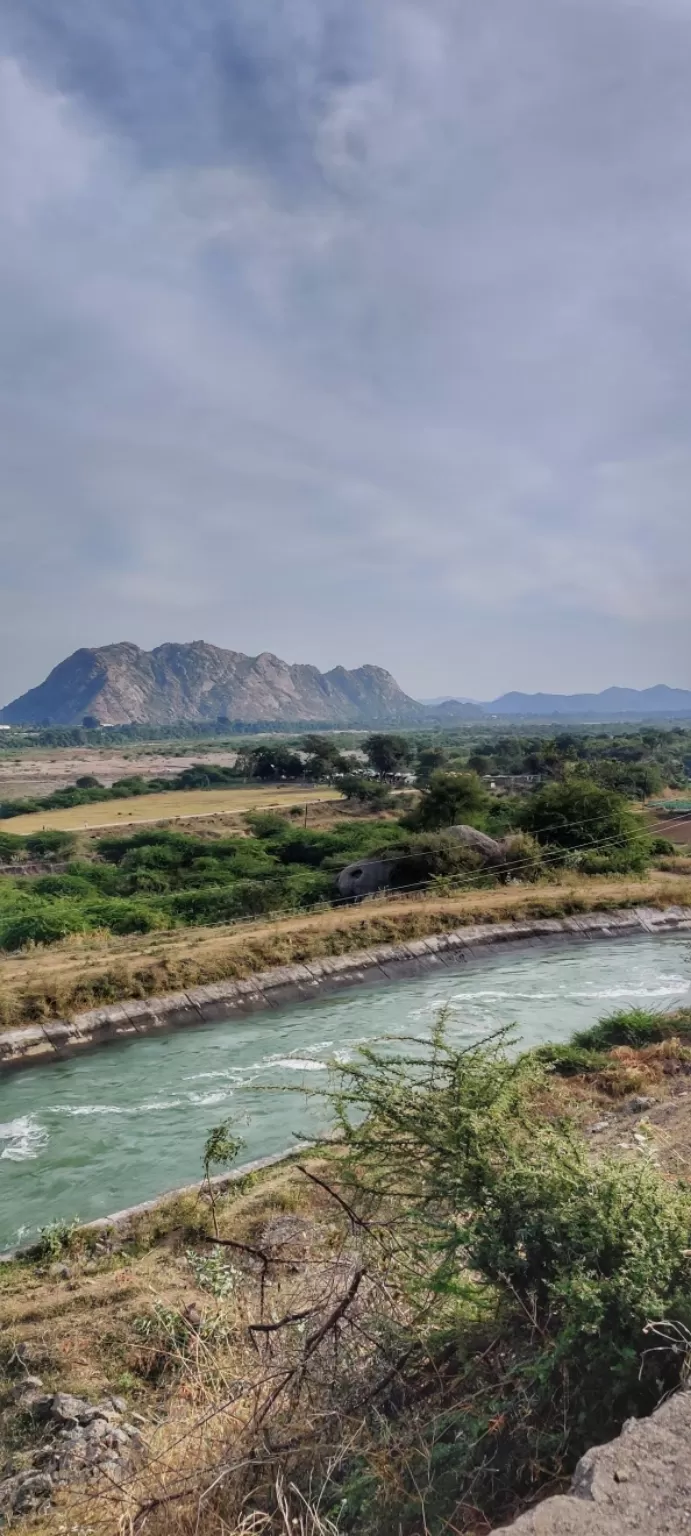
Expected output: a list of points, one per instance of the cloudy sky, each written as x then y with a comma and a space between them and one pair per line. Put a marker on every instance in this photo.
355, 330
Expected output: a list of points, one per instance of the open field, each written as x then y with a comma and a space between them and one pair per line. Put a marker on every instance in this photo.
39, 773
82, 972
176, 805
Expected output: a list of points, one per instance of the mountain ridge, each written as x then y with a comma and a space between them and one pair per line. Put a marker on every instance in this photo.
122, 684
659, 699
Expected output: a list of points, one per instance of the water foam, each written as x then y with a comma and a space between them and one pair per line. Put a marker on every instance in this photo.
23, 1139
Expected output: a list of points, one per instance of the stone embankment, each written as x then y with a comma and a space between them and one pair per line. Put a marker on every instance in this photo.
296, 983
34, 867
639, 1483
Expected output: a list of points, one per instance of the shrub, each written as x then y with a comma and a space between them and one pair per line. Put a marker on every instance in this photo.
572, 1060
10, 847
523, 856
43, 923
367, 791
580, 816
51, 842
636, 1027
268, 824
449, 799
122, 916
503, 1215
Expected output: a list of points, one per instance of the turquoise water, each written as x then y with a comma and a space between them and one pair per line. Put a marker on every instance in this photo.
87, 1136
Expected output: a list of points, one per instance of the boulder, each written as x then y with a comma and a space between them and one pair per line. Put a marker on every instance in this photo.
367, 876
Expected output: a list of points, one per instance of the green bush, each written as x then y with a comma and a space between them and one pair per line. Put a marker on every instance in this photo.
532, 1274
580, 816
11, 847
51, 841
267, 824
572, 1060
661, 847
43, 923
449, 799
369, 792
635, 1027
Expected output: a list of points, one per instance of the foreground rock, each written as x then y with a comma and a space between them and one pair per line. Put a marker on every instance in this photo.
81, 1440
640, 1482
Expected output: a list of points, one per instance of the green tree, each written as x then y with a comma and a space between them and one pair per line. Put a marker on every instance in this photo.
275, 763
324, 759
388, 755
367, 791
580, 815
430, 760
450, 798
220, 1150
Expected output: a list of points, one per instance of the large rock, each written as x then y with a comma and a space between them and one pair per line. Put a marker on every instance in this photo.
490, 849
366, 876
640, 1482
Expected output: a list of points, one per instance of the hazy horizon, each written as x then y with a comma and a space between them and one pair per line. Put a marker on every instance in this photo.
353, 333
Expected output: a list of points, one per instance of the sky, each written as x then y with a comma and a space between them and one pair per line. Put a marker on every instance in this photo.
352, 331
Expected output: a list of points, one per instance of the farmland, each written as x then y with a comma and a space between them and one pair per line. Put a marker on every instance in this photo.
169, 805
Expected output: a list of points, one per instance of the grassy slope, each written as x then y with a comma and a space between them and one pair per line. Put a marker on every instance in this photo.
85, 971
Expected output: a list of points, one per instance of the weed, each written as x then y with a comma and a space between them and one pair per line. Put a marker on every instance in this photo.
212, 1272
57, 1238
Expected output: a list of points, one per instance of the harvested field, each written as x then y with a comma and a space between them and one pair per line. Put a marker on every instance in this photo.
40, 773
177, 805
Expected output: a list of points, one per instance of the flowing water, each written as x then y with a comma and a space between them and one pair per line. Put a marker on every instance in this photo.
90, 1135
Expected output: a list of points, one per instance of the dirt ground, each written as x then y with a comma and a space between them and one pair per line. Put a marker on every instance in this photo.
42, 772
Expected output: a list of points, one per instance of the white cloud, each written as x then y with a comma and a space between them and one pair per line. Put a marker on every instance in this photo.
350, 333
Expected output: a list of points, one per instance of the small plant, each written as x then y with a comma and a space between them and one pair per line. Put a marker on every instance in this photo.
220, 1150
57, 1238
212, 1273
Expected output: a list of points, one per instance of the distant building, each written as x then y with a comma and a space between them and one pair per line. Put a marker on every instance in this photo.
505, 783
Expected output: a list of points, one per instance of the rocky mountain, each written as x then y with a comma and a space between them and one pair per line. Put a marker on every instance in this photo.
121, 684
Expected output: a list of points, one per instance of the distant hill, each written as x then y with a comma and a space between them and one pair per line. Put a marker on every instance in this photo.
660, 700
121, 685
457, 709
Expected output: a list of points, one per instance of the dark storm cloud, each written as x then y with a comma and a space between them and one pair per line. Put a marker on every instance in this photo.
349, 331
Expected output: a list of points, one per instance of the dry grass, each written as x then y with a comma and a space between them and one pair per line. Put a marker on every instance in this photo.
92, 969
169, 805
117, 1325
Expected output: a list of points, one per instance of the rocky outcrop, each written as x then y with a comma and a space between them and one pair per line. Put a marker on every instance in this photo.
77, 1440
121, 684
640, 1483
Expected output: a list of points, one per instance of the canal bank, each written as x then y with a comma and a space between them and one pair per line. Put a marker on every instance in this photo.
280, 986
99, 1131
